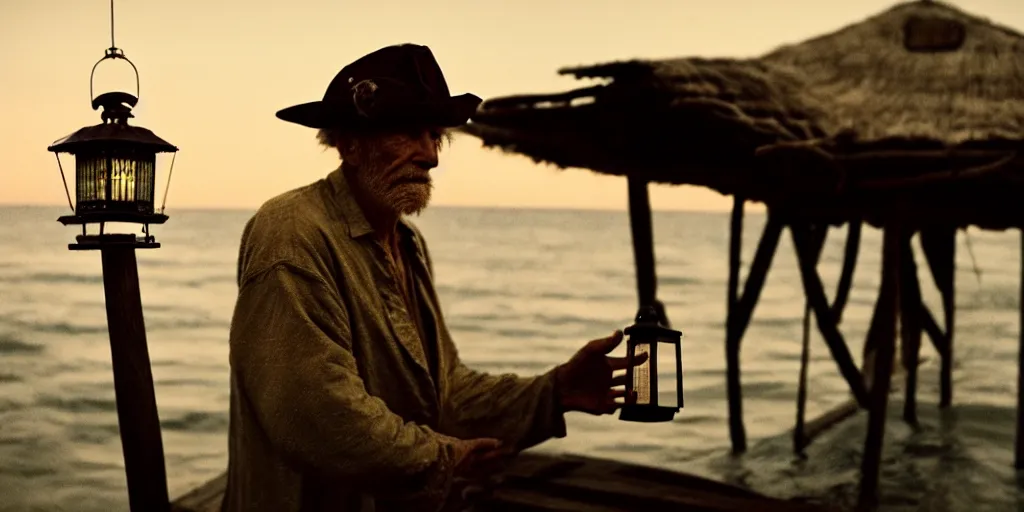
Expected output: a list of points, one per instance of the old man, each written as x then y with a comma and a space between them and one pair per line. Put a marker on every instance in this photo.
347, 392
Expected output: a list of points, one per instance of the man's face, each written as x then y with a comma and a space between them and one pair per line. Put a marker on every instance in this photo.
393, 168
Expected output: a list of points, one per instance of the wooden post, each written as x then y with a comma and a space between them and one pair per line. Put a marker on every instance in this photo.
883, 332
815, 293
939, 246
133, 382
737, 432
643, 241
1019, 454
799, 433
911, 309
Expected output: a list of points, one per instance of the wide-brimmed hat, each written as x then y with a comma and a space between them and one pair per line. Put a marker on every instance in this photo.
393, 86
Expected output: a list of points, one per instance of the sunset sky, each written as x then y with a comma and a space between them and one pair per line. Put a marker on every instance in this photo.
213, 73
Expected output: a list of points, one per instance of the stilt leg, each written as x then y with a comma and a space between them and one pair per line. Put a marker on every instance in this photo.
939, 246
799, 434
1019, 454
883, 331
737, 432
910, 327
643, 241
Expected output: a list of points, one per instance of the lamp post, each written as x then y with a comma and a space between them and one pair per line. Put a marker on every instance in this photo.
115, 166
644, 337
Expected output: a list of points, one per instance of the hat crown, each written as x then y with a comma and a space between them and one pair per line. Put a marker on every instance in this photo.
411, 66
395, 86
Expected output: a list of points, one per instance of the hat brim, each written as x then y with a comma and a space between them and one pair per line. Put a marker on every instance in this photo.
447, 113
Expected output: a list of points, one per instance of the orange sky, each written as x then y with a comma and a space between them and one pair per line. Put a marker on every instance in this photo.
214, 72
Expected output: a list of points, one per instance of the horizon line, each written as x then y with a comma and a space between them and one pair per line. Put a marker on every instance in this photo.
436, 206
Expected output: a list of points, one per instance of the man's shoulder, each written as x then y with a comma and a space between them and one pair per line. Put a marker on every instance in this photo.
293, 228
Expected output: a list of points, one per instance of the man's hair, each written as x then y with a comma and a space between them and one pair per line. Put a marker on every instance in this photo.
332, 138
340, 140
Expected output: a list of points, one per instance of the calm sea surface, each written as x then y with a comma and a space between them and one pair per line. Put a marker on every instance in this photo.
522, 291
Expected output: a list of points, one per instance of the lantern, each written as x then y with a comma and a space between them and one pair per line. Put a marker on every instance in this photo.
645, 336
115, 169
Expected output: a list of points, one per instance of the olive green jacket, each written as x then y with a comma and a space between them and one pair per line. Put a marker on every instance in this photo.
334, 405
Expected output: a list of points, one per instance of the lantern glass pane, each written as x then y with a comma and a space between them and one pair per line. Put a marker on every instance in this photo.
665, 369
91, 175
642, 375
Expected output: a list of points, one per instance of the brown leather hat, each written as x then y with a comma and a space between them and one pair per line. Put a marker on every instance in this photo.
397, 85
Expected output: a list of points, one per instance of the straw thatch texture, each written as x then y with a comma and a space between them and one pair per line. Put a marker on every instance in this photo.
918, 105
878, 89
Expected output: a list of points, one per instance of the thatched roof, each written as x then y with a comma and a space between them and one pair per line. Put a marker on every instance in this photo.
821, 118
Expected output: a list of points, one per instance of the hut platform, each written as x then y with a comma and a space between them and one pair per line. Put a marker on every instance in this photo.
539, 482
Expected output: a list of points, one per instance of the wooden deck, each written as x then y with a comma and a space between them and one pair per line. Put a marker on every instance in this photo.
555, 483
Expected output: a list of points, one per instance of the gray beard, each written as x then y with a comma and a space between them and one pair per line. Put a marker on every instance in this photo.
403, 199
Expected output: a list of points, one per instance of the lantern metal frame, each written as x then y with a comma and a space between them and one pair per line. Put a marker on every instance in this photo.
648, 330
99, 151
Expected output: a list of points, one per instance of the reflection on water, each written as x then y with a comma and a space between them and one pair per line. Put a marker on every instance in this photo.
522, 291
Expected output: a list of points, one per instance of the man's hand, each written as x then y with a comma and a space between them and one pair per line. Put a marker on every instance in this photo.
481, 455
587, 382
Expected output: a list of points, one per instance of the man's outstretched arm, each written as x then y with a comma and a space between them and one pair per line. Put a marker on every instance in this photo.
520, 411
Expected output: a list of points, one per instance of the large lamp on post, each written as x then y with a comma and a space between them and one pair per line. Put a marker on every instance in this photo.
645, 336
115, 166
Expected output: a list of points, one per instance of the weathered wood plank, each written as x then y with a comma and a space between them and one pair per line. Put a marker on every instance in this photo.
549, 483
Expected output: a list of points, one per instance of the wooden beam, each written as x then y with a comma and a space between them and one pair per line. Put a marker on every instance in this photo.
1018, 459
935, 333
738, 318
849, 265
819, 233
815, 293
939, 244
804, 433
734, 391
911, 307
643, 241
883, 331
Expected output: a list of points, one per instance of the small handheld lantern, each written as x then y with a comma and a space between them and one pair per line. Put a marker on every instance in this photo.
644, 337
114, 169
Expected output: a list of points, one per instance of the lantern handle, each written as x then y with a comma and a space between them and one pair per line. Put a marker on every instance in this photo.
113, 53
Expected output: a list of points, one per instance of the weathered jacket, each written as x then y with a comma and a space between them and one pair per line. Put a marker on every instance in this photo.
334, 406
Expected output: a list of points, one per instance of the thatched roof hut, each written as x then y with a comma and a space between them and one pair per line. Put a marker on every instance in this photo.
883, 114
911, 120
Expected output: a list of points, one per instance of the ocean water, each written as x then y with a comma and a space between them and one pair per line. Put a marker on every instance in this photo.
522, 290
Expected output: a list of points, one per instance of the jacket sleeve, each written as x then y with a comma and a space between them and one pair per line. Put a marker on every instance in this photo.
521, 411
292, 353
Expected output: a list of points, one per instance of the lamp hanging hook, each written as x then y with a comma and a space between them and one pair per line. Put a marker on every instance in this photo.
112, 53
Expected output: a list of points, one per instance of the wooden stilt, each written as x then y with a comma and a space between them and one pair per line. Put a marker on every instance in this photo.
734, 390
935, 333
815, 293
883, 332
643, 245
799, 435
739, 319
939, 246
910, 326
849, 265
799, 432
1018, 459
